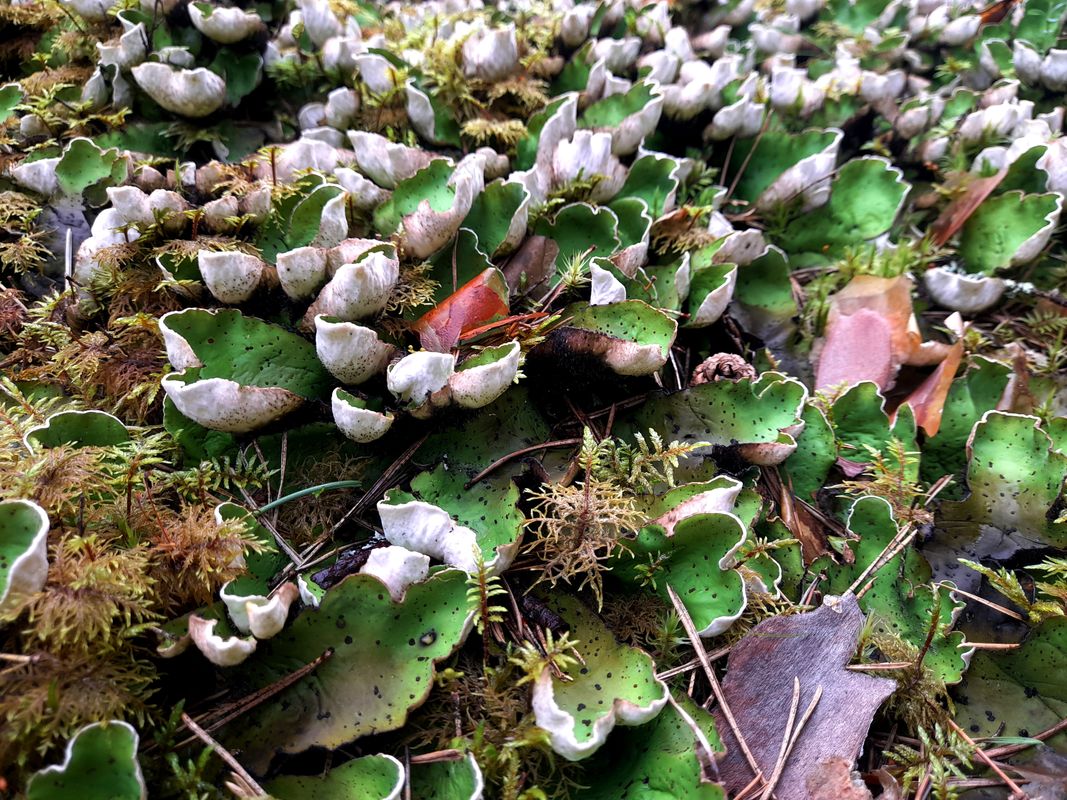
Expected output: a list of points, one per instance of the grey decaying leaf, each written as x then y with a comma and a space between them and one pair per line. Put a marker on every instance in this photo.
813, 647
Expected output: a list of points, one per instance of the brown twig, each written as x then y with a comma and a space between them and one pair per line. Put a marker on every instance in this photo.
709, 754
223, 753
371, 494
992, 645
783, 749
504, 459
1017, 792
233, 710
1007, 612
702, 654
407, 761
689, 666
889, 665
290, 553
748, 157
895, 546
792, 739
436, 756
1012, 749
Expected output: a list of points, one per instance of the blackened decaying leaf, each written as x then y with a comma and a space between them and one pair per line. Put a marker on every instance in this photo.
540, 614
348, 563
813, 647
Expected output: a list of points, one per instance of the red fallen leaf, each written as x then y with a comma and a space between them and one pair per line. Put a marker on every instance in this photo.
813, 648
996, 12
927, 401
870, 331
858, 347
959, 210
475, 303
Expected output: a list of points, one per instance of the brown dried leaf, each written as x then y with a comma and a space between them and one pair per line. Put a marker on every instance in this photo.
927, 401
529, 269
995, 13
1045, 773
1017, 397
834, 779
959, 210
807, 525
813, 647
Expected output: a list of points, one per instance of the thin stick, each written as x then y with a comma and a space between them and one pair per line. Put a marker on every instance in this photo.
702, 654
924, 785
290, 553
749, 787
223, 753
240, 788
231, 712
783, 749
611, 421
504, 459
898, 543
689, 666
793, 739
378, 486
992, 645
19, 659
436, 756
974, 783
709, 755
1018, 793
1006, 611
677, 370
807, 716
1012, 749
729, 157
582, 418
283, 459
809, 593
407, 752
629, 402
385, 478
68, 259
887, 665
935, 490
748, 157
